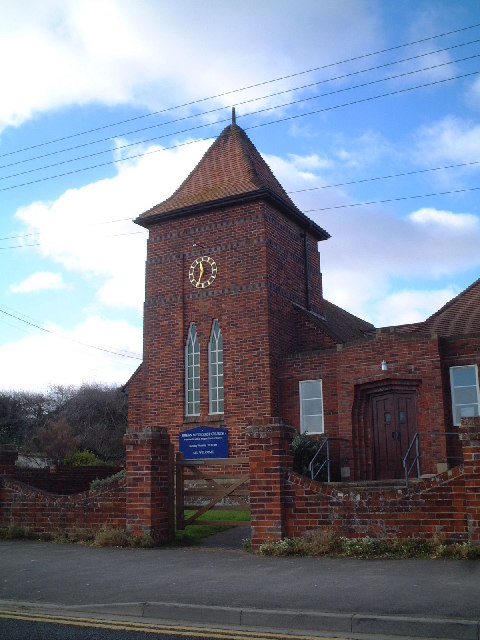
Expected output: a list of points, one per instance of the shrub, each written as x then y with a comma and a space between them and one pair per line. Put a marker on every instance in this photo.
304, 448
13, 532
83, 458
105, 482
110, 537
318, 543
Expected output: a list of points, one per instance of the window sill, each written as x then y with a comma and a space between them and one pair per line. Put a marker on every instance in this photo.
205, 420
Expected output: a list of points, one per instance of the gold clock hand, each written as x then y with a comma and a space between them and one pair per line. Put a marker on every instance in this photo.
201, 272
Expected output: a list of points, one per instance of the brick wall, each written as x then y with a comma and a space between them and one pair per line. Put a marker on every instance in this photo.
41, 512
260, 257
287, 504
352, 373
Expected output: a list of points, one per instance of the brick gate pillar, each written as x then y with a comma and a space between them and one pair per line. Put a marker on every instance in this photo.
149, 484
269, 457
470, 439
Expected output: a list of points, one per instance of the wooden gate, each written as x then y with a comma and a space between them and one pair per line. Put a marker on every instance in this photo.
202, 490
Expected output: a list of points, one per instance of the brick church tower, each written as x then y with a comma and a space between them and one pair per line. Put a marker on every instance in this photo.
229, 256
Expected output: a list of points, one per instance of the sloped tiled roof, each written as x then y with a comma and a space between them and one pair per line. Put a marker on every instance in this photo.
231, 170
461, 315
338, 324
344, 325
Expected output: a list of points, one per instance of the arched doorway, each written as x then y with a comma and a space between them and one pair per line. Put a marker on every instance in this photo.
384, 421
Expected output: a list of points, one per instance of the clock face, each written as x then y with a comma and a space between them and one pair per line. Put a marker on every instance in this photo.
202, 272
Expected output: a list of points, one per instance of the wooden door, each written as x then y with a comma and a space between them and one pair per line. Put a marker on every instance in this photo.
394, 423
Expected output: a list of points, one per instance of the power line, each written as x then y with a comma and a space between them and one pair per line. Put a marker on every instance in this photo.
423, 195
321, 187
288, 104
392, 175
257, 99
340, 206
264, 124
252, 86
59, 335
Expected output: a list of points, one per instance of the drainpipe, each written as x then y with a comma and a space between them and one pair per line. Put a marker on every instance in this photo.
307, 281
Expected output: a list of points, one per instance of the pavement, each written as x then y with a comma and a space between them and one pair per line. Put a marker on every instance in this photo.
220, 584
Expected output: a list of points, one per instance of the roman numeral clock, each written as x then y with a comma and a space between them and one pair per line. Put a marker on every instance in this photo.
202, 272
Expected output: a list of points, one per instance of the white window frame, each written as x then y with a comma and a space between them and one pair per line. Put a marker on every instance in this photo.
453, 388
215, 379
192, 373
301, 386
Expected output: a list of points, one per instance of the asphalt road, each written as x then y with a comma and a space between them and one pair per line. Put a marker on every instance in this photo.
77, 575
233, 584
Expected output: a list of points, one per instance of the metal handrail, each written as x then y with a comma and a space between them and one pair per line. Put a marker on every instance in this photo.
415, 440
326, 461
325, 443
416, 460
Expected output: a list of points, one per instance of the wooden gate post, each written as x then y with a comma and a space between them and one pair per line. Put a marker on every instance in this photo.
269, 457
179, 492
149, 470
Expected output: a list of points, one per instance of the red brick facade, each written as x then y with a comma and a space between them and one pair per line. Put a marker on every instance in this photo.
278, 331
285, 504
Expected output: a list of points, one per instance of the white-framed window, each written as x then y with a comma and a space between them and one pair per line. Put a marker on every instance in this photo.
215, 369
192, 373
311, 406
465, 392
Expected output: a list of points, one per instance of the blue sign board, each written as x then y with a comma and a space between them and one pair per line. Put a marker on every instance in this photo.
204, 442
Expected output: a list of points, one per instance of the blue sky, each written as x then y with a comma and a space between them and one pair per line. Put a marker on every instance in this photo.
108, 104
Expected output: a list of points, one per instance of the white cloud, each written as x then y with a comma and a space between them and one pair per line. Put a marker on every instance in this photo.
155, 54
311, 162
459, 222
41, 281
371, 250
40, 360
450, 139
473, 94
409, 306
363, 151
76, 230
363, 266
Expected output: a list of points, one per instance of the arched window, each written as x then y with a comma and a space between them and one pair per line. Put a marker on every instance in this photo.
215, 369
192, 373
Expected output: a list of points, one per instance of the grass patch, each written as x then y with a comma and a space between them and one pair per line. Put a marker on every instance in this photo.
194, 534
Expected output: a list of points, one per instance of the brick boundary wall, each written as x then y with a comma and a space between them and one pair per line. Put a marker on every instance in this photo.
46, 513
285, 504
67, 511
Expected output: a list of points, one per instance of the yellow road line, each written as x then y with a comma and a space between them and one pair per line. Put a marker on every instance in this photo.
199, 632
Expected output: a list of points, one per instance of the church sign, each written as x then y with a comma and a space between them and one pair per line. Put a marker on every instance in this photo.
203, 442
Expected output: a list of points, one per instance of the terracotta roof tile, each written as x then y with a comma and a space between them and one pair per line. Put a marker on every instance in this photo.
344, 325
461, 315
231, 168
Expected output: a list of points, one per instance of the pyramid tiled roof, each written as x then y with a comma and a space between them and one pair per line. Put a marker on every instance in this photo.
461, 315
232, 170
